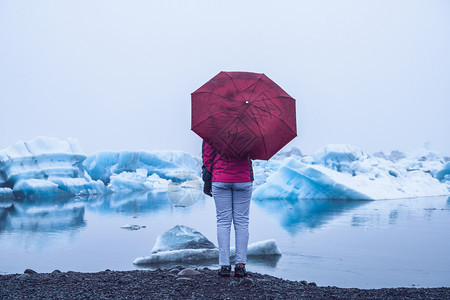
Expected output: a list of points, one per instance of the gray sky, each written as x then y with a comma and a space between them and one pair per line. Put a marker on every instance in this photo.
118, 75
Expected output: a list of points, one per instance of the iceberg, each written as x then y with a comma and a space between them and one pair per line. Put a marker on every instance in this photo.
183, 243
132, 171
294, 180
49, 167
128, 182
346, 172
176, 166
443, 175
46, 167
339, 157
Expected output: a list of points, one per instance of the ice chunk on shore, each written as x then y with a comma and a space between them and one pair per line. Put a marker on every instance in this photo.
181, 237
46, 166
261, 248
182, 243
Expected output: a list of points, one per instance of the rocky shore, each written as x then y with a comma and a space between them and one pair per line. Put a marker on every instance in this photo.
181, 283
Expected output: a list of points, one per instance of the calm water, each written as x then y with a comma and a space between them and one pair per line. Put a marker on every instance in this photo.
365, 244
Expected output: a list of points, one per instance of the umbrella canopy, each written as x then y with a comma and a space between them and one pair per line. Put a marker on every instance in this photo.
243, 114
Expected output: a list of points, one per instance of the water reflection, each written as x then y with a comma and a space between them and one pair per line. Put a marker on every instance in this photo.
297, 215
186, 194
47, 215
57, 214
382, 213
129, 204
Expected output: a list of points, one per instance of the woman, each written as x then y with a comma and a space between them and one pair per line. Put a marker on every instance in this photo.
230, 181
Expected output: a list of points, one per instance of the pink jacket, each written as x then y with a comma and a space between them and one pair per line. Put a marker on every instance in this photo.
231, 170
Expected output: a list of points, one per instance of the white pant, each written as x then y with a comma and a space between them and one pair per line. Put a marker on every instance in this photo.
232, 204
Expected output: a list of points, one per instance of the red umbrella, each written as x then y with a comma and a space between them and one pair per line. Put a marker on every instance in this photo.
243, 113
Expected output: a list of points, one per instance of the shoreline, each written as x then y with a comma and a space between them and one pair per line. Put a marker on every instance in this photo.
186, 283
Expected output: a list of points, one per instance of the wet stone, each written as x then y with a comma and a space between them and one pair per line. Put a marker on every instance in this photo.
188, 272
184, 279
23, 276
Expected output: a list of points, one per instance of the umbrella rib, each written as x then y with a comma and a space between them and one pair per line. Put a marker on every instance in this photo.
260, 132
211, 116
212, 94
259, 79
273, 116
288, 97
237, 90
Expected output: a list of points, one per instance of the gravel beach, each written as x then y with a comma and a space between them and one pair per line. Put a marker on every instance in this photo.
180, 283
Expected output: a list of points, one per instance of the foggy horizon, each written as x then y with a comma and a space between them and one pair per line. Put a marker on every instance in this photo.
118, 76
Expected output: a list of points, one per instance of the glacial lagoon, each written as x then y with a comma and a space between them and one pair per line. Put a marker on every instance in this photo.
345, 243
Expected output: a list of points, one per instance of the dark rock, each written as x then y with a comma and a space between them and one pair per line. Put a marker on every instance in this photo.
246, 281
45, 278
146, 284
304, 282
30, 272
56, 272
178, 267
312, 284
126, 279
